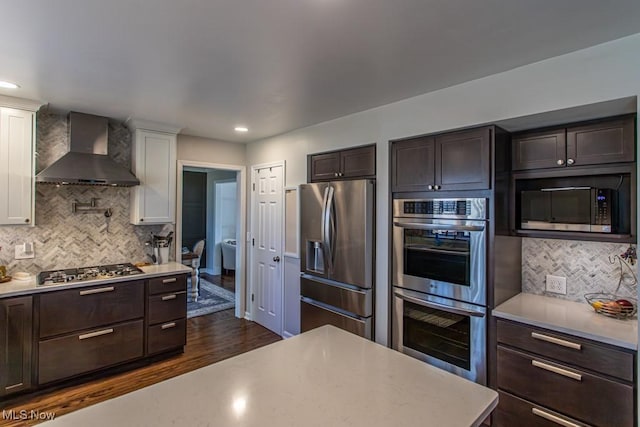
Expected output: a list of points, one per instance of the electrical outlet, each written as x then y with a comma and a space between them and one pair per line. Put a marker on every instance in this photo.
25, 251
556, 284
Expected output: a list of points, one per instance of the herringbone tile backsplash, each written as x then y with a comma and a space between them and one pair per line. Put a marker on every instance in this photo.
585, 265
62, 238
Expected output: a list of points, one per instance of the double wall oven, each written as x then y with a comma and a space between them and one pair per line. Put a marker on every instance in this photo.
439, 283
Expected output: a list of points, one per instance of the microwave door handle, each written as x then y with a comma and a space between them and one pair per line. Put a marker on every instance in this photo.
422, 226
443, 307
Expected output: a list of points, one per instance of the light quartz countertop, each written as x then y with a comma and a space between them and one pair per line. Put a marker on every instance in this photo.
569, 317
28, 287
324, 377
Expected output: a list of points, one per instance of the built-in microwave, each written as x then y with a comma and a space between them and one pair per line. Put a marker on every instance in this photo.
584, 209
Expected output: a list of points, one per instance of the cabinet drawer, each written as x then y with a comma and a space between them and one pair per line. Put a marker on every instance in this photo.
166, 336
89, 350
85, 308
569, 349
163, 285
167, 307
513, 411
594, 399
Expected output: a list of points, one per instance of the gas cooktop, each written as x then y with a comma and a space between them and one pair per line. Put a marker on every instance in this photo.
74, 275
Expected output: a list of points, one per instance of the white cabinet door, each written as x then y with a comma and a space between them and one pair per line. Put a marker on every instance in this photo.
16, 166
154, 164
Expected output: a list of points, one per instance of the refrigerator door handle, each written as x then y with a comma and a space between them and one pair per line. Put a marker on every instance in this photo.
329, 232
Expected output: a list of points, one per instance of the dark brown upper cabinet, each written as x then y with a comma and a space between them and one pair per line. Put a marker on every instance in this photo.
451, 161
359, 162
601, 142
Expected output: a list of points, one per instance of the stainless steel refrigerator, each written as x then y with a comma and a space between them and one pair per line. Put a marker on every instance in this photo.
337, 244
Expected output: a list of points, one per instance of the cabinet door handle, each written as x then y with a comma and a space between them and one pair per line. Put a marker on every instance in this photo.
560, 162
553, 418
430, 187
95, 334
168, 325
335, 174
97, 291
557, 341
570, 161
556, 370
173, 279
168, 297
436, 187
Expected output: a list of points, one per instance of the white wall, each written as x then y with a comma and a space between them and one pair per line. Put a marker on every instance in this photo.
600, 73
206, 150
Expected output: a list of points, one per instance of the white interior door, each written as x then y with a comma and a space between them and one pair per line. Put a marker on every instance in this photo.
267, 217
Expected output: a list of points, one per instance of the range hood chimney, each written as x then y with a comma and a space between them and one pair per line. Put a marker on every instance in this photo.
87, 162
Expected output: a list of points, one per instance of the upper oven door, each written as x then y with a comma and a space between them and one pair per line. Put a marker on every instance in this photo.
441, 257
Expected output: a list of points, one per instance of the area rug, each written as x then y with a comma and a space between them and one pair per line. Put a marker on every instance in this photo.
212, 298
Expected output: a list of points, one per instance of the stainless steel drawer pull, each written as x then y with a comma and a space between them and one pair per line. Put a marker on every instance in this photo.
168, 297
553, 418
556, 370
95, 334
169, 325
11, 387
98, 290
173, 279
558, 341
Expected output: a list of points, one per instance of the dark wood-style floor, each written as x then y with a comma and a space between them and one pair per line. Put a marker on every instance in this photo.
210, 339
226, 281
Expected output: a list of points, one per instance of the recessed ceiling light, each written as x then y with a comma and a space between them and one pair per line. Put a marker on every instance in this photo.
8, 85
241, 129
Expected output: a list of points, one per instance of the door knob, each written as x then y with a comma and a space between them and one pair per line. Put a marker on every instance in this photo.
276, 258
560, 162
570, 161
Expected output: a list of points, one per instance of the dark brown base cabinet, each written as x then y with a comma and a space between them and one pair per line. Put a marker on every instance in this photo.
15, 344
166, 314
547, 378
89, 329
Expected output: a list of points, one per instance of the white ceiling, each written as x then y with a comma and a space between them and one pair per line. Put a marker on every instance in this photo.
277, 65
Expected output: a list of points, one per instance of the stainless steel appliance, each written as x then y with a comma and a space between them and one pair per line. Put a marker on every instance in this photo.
568, 208
439, 273
440, 247
337, 241
74, 275
446, 333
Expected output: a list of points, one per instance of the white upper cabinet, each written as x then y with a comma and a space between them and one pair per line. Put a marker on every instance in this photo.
17, 165
154, 164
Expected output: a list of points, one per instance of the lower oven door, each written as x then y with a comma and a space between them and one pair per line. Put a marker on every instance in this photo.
448, 334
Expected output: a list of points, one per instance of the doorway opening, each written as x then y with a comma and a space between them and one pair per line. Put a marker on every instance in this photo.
211, 205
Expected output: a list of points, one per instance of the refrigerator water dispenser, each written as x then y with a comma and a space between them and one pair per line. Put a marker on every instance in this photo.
315, 256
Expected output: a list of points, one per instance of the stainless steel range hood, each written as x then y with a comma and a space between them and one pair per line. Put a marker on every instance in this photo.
87, 162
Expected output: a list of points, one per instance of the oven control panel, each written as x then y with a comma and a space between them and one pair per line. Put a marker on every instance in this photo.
438, 207
472, 208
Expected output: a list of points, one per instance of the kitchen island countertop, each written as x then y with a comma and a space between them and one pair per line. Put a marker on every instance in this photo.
324, 377
29, 287
570, 317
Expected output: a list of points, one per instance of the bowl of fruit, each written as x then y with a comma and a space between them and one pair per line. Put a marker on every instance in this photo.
612, 306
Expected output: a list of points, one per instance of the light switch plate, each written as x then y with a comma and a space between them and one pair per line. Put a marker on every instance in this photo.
25, 251
556, 284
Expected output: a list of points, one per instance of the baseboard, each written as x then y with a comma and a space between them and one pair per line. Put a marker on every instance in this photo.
247, 315
286, 335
